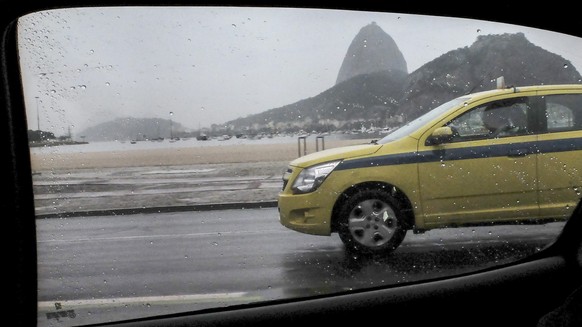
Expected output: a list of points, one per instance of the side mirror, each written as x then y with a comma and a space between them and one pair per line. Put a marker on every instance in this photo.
440, 135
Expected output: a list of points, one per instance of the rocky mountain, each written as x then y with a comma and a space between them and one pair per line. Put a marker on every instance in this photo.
475, 68
371, 51
389, 97
374, 88
365, 97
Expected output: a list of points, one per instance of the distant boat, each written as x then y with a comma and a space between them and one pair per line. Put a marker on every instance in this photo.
224, 137
303, 134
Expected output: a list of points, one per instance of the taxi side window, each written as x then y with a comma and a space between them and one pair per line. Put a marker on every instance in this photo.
564, 112
492, 120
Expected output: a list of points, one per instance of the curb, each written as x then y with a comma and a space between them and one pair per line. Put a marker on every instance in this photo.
167, 209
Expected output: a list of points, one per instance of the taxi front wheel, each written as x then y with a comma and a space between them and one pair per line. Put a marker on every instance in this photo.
371, 222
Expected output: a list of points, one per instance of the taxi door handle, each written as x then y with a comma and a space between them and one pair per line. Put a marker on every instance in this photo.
518, 153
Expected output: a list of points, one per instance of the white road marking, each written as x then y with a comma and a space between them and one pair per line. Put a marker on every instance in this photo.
151, 300
160, 236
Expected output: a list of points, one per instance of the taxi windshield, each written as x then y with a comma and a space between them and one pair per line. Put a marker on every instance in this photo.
415, 124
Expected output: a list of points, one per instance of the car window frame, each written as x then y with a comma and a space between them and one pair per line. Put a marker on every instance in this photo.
536, 120
18, 208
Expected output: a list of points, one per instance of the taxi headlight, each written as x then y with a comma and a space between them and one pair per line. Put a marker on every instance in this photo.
310, 178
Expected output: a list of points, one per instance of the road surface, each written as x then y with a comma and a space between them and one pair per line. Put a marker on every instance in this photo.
96, 269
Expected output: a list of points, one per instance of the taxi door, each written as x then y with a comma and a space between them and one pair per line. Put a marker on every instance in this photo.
560, 156
484, 173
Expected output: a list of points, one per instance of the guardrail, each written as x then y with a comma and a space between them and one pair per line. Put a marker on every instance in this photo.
317, 142
299, 139
302, 140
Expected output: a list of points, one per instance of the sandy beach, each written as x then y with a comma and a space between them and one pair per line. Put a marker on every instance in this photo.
116, 178
239, 153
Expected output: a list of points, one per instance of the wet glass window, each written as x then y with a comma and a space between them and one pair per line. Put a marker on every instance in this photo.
205, 157
564, 112
498, 119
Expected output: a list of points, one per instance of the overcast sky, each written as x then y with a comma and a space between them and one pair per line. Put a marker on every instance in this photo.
210, 65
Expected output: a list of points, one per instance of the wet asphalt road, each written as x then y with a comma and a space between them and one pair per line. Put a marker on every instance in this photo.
95, 269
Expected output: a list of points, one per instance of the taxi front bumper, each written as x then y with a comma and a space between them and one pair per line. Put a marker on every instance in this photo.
306, 213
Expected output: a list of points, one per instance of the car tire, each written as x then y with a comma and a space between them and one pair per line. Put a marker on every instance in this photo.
371, 222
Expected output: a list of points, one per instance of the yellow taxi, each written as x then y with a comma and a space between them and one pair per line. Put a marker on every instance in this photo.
508, 155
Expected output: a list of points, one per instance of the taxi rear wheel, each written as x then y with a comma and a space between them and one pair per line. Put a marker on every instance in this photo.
371, 222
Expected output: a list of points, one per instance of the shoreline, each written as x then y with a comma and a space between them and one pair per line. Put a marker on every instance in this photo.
219, 154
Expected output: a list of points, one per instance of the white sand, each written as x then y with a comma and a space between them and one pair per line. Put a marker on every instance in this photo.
176, 156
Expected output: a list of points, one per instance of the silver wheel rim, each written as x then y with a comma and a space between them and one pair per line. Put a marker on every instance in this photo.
372, 223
